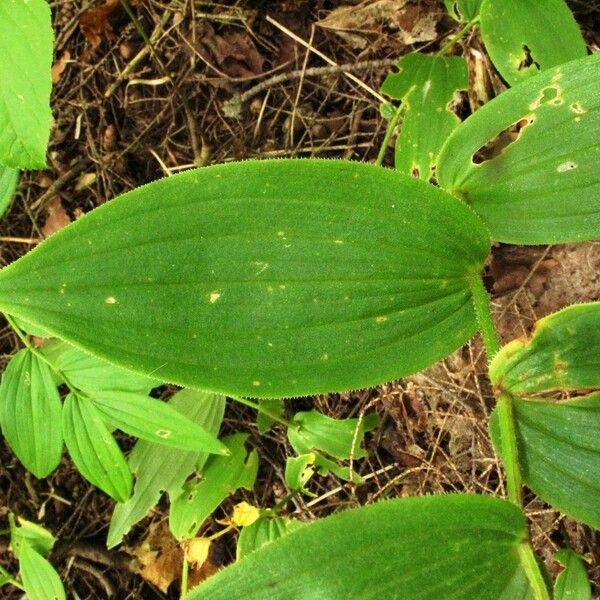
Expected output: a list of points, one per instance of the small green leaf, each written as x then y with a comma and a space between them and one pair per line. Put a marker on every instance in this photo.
298, 470
221, 477
559, 452
572, 583
30, 413
314, 275
338, 438
562, 354
544, 186
6, 578
8, 184
463, 10
263, 531
264, 422
32, 534
93, 449
426, 85
40, 580
92, 374
155, 421
157, 471
523, 37
26, 41
455, 546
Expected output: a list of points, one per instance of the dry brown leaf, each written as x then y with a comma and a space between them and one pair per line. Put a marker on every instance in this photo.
412, 22
58, 68
95, 23
56, 217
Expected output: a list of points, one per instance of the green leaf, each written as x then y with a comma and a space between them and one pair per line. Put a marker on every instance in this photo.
426, 85
157, 471
221, 477
572, 583
155, 421
338, 438
92, 374
456, 546
298, 470
6, 578
559, 452
463, 10
263, 531
35, 536
8, 184
30, 413
93, 449
313, 275
544, 186
264, 422
562, 354
26, 41
523, 37
40, 580
30, 329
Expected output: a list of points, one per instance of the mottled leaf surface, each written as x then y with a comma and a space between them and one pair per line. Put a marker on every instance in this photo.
262, 278
559, 452
26, 41
157, 471
456, 547
30, 413
426, 85
543, 186
523, 37
563, 353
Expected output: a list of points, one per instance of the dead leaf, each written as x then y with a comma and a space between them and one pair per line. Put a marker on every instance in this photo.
58, 68
56, 217
96, 23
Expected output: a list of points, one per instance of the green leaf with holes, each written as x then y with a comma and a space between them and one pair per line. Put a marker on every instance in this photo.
427, 86
93, 448
157, 471
540, 185
30, 413
26, 41
221, 476
8, 184
155, 421
572, 582
453, 546
563, 353
299, 470
312, 275
463, 10
523, 37
559, 452
263, 531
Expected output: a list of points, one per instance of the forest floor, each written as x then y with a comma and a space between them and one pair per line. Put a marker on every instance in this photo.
224, 83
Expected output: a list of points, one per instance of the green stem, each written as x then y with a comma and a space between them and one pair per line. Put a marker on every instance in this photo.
483, 313
23, 337
388, 134
461, 33
509, 449
265, 411
533, 572
184, 577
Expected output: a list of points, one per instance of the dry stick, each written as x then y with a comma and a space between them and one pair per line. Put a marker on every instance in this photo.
346, 72
58, 184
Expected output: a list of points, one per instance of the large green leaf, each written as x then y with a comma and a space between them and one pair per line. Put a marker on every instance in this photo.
221, 477
157, 471
563, 353
544, 186
30, 413
453, 547
155, 421
572, 583
8, 183
40, 580
525, 36
426, 85
26, 41
93, 448
262, 278
559, 452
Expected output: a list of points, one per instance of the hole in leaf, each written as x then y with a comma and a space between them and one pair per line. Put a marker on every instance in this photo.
549, 95
527, 60
505, 138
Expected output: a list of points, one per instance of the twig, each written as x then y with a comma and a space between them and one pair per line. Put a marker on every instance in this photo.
59, 184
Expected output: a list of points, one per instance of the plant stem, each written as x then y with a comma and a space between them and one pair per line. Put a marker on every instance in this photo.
532, 570
483, 313
265, 411
388, 134
509, 449
184, 577
461, 33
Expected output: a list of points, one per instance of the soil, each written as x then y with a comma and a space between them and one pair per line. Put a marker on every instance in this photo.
224, 82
